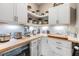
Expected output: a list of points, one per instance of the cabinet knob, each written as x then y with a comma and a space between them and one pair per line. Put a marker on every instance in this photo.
16, 18
58, 43
58, 47
57, 21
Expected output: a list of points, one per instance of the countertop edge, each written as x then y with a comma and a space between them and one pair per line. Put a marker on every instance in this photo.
24, 40
65, 37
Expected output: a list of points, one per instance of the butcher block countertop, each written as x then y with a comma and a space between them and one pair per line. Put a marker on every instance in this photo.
13, 43
64, 37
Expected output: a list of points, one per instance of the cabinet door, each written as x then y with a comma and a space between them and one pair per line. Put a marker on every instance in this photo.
39, 47
22, 13
6, 12
33, 51
77, 22
36, 47
60, 42
52, 52
44, 46
64, 14
52, 16
33, 43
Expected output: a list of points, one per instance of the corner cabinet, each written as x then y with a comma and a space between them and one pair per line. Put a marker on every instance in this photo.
62, 14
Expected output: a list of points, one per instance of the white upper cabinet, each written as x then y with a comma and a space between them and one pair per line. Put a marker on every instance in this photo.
6, 12
62, 14
22, 13
14, 13
52, 16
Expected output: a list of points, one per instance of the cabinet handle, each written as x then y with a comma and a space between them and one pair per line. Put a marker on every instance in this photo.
58, 43
37, 50
47, 41
38, 47
15, 18
58, 48
57, 21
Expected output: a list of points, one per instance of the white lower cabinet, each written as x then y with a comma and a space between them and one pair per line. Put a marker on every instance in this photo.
51, 53
61, 51
33, 51
44, 46
35, 47
39, 46
59, 42
59, 48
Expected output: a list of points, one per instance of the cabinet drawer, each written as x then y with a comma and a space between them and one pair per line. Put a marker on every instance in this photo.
61, 51
50, 52
34, 43
60, 42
